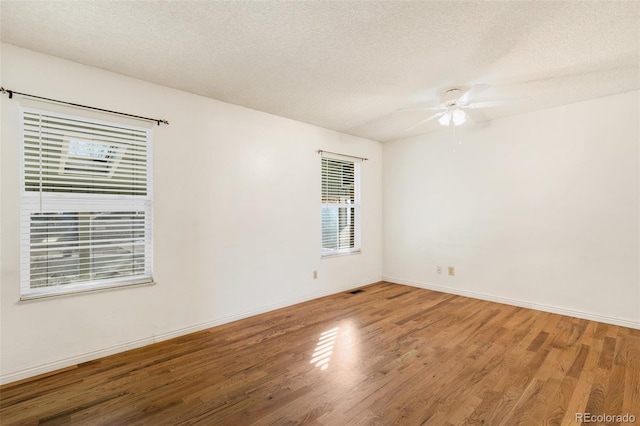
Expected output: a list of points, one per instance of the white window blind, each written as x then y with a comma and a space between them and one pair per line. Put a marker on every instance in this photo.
86, 204
340, 206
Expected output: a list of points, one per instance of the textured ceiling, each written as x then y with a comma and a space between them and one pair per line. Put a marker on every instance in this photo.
348, 66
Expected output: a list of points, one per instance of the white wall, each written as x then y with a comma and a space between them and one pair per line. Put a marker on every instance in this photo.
236, 219
538, 210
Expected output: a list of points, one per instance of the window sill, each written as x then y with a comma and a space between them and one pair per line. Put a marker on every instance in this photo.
348, 253
83, 290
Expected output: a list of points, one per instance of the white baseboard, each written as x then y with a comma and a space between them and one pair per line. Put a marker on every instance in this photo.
516, 302
49, 367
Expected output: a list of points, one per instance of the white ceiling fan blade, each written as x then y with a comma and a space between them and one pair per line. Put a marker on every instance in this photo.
435, 108
492, 104
475, 90
434, 116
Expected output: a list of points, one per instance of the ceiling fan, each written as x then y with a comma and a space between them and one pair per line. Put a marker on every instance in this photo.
454, 103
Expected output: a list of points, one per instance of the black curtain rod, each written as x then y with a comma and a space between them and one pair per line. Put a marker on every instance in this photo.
12, 92
342, 155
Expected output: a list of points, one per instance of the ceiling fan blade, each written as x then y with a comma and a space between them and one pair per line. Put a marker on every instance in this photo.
492, 104
435, 108
434, 116
475, 90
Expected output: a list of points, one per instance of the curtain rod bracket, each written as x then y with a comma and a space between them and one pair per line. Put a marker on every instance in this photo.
10, 92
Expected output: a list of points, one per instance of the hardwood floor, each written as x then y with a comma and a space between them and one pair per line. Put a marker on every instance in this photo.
391, 354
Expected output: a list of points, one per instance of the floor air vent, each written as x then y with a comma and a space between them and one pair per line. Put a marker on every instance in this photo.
357, 291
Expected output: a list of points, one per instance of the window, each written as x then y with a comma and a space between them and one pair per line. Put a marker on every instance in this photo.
340, 206
96, 155
86, 204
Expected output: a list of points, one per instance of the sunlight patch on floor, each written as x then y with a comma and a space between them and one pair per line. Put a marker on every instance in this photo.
324, 348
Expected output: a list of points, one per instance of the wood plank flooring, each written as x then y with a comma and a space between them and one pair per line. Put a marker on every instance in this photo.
389, 355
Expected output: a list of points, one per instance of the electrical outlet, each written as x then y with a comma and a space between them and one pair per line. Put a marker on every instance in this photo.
439, 270
315, 275
452, 271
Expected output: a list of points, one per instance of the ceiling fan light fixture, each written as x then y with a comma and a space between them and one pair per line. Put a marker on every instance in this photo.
459, 117
454, 116
445, 120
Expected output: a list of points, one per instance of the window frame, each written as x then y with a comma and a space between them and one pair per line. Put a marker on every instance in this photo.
356, 206
69, 202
